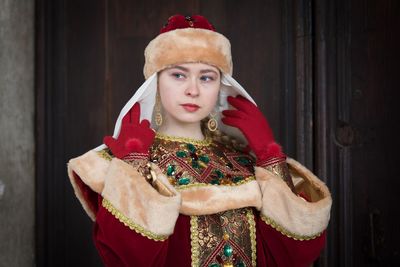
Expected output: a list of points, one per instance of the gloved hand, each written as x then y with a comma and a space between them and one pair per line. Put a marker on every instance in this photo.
135, 136
252, 123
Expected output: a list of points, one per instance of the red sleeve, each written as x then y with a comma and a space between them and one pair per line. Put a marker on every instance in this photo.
120, 246
89, 196
276, 249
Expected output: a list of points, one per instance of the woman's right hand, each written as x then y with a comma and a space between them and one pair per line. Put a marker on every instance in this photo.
134, 137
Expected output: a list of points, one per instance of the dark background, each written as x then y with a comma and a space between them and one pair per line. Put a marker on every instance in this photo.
323, 72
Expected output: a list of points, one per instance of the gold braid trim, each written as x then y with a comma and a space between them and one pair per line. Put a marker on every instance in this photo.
104, 154
205, 142
194, 237
182, 187
252, 226
287, 233
129, 223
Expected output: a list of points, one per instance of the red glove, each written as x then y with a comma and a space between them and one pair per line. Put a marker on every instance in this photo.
134, 137
252, 123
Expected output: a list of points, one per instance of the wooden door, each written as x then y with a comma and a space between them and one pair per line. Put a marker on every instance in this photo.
323, 73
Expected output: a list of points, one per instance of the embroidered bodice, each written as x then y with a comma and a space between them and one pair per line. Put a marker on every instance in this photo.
188, 162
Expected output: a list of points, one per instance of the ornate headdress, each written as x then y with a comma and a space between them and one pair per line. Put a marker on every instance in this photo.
185, 39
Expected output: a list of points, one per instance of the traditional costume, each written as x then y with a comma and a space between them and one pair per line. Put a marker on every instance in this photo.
173, 201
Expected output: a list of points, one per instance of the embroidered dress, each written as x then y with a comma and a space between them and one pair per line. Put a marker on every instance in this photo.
221, 219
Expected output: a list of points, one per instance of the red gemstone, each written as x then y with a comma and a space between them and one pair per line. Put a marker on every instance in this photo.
235, 258
219, 259
194, 156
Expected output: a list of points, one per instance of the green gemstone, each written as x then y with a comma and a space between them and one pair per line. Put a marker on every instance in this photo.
243, 160
204, 158
228, 250
181, 154
213, 265
215, 181
195, 164
240, 264
237, 179
170, 170
183, 181
191, 148
219, 173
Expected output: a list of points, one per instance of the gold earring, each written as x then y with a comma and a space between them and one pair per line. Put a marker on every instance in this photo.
158, 117
212, 122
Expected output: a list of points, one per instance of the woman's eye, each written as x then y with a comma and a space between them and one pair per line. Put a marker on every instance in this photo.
178, 75
207, 78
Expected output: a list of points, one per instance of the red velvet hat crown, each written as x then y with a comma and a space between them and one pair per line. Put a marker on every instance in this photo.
182, 22
187, 39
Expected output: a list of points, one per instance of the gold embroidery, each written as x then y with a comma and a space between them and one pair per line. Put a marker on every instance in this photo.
105, 154
129, 223
194, 237
195, 165
281, 170
287, 233
224, 238
205, 142
252, 226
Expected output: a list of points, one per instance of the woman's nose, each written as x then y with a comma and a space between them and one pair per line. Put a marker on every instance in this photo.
192, 88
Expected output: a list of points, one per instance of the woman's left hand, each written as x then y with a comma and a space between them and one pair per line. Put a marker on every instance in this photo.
255, 127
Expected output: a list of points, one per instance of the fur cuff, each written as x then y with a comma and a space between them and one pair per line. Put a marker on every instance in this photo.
210, 199
288, 213
91, 169
185, 46
137, 203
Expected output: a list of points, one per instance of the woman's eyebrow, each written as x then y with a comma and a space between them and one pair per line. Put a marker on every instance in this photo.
180, 68
208, 70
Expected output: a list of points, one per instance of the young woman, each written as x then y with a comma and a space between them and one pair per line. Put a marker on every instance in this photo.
192, 175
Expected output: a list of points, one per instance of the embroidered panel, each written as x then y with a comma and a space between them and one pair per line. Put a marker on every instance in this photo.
187, 162
224, 239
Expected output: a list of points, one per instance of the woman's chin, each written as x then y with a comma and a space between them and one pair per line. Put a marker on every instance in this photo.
190, 119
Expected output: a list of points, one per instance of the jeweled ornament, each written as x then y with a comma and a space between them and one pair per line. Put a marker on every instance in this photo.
228, 250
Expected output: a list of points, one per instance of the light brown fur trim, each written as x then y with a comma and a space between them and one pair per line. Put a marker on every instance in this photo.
292, 212
307, 182
134, 197
216, 198
91, 169
188, 45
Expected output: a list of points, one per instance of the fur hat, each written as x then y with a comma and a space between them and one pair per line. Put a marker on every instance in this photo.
187, 39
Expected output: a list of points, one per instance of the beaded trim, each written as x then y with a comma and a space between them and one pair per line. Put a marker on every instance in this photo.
129, 223
205, 142
104, 154
287, 233
194, 233
183, 187
252, 226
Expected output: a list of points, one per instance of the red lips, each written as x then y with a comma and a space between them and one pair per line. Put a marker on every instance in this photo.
190, 107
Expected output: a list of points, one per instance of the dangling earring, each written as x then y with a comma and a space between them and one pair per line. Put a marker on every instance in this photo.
157, 108
212, 122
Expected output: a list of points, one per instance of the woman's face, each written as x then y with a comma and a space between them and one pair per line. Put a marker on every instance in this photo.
188, 92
